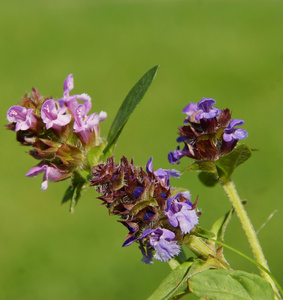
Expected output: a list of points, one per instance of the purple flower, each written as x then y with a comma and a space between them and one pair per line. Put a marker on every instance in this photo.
84, 124
23, 117
162, 174
161, 240
175, 156
181, 213
71, 101
50, 173
137, 191
68, 85
53, 116
231, 133
202, 110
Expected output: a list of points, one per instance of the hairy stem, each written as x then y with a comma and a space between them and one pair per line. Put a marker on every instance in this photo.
234, 198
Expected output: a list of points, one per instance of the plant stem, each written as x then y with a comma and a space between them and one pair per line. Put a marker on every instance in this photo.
234, 198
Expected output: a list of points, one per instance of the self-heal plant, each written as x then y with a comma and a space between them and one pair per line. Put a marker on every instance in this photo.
210, 137
161, 219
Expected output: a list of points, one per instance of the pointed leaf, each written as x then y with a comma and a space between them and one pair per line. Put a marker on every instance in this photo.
171, 282
132, 100
228, 163
174, 281
219, 227
230, 285
208, 172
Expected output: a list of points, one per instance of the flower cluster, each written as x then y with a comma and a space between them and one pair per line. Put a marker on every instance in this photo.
156, 214
208, 133
60, 131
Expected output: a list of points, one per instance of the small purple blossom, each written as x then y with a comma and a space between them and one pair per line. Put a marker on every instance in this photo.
68, 85
161, 240
202, 110
84, 124
231, 133
175, 156
181, 213
71, 101
23, 117
53, 116
137, 191
162, 174
50, 173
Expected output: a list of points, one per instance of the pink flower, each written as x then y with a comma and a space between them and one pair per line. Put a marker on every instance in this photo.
23, 117
85, 125
53, 116
72, 101
50, 173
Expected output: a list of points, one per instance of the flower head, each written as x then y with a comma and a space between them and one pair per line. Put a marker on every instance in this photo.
208, 133
60, 132
142, 200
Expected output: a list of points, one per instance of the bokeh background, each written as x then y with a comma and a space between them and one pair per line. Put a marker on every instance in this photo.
231, 51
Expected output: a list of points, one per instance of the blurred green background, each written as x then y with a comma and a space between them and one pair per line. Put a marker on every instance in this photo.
231, 51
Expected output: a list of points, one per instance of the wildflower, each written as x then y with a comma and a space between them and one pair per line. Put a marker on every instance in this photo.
202, 110
87, 126
72, 101
162, 241
181, 213
162, 174
24, 118
60, 132
51, 173
142, 200
53, 116
231, 133
208, 133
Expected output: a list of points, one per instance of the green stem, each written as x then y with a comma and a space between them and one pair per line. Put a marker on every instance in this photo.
234, 198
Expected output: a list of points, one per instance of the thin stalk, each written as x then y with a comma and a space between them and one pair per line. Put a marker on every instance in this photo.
234, 198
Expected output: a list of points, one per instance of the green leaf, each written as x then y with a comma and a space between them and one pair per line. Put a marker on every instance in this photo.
208, 179
78, 185
211, 172
206, 166
170, 286
208, 172
132, 100
230, 285
228, 163
219, 227
171, 283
